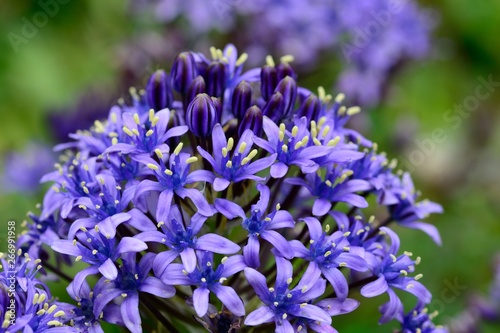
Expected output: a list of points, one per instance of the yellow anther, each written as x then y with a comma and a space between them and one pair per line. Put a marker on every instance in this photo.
409, 254
281, 136
223, 260
304, 289
289, 281
327, 253
168, 172
245, 161
114, 141
230, 144
94, 252
298, 145
393, 257
284, 316
278, 206
328, 183
54, 323
192, 159
327, 228
224, 152
353, 110
78, 258
152, 166
347, 248
99, 127
321, 92
136, 119
203, 280
40, 312
241, 60
404, 272
321, 121
253, 153
59, 314
158, 153
316, 142
124, 295
347, 234
41, 298
287, 58
155, 121
271, 289
418, 260
418, 277
243, 146
295, 131
342, 110
270, 61
410, 285
149, 133
333, 142
113, 117
326, 130
151, 115
343, 264
178, 148
339, 98
213, 52
229, 164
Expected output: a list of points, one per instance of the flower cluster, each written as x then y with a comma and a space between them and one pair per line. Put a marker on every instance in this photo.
26, 304
224, 186
371, 36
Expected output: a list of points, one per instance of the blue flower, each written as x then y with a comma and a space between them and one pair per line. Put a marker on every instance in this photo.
260, 225
183, 240
237, 167
207, 279
283, 303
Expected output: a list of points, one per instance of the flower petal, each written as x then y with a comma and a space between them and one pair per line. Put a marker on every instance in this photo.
279, 242
229, 209
230, 299
108, 269
260, 316
375, 288
188, 257
155, 287
130, 312
200, 301
217, 244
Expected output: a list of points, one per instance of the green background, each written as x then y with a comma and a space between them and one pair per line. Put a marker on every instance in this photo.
78, 48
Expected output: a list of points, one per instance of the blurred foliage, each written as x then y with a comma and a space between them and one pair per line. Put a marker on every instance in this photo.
78, 49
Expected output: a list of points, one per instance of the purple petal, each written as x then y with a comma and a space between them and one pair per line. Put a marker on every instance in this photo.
140, 221
129, 244
425, 227
312, 312
279, 170
299, 250
282, 219
279, 242
130, 312
217, 244
251, 252
375, 288
66, 247
162, 261
230, 299
151, 236
188, 257
258, 282
264, 198
88, 223
353, 261
172, 275
260, 316
155, 287
321, 207
391, 309
164, 204
147, 186
218, 139
108, 270
310, 276
313, 226
198, 199
174, 132
220, 184
354, 199
207, 156
338, 282
229, 209
285, 327
334, 307
260, 164
108, 225
200, 301
395, 243
200, 176
233, 265
284, 271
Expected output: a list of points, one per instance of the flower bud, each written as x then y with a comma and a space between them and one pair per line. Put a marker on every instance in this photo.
201, 116
196, 87
285, 69
310, 108
216, 79
274, 108
242, 99
269, 81
183, 72
252, 120
288, 88
159, 94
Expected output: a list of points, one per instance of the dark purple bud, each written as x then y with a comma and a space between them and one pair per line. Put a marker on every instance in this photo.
196, 87
159, 93
201, 116
183, 72
269, 81
242, 99
288, 88
274, 108
252, 120
216, 79
310, 108
285, 69
218, 107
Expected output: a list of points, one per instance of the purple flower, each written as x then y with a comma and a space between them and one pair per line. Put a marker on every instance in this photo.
237, 167
420, 320
328, 253
183, 240
147, 133
173, 180
393, 273
282, 303
335, 188
93, 248
133, 278
208, 279
260, 225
